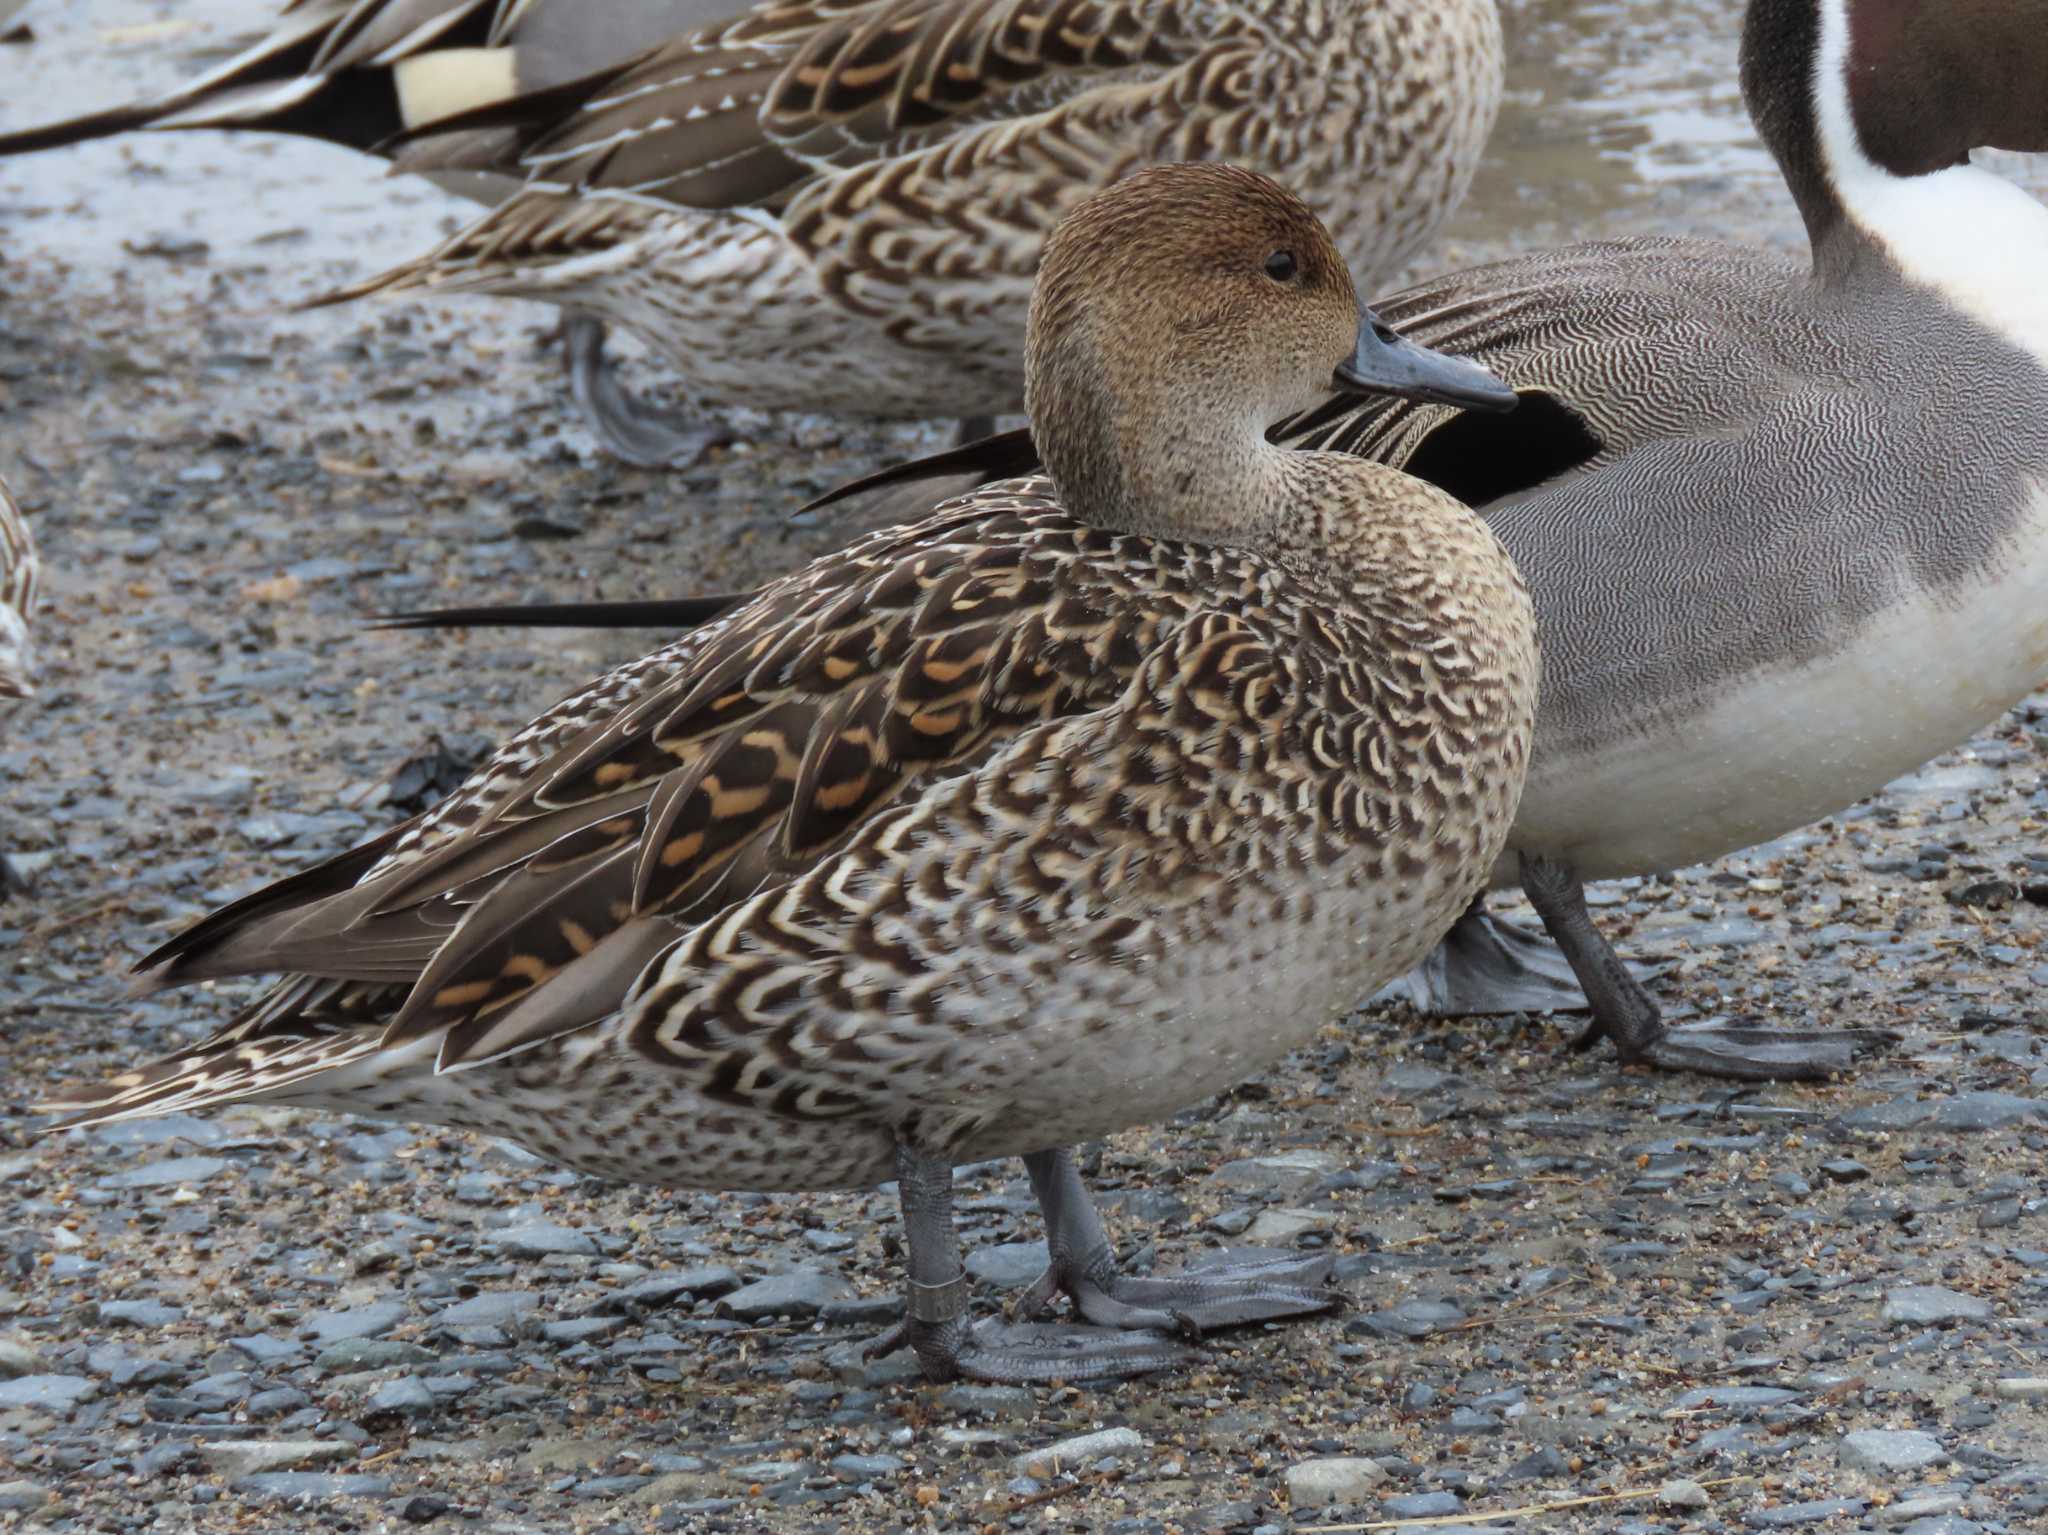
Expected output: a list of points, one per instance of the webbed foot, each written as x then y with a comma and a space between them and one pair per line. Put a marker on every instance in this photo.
1192, 1302
642, 434
935, 1325
1624, 1012
1748, 1053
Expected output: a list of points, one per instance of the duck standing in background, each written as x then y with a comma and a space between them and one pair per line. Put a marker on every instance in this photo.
1080, 800
840, 207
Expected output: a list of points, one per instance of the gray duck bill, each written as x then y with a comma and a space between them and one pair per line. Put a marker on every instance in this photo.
1385, 362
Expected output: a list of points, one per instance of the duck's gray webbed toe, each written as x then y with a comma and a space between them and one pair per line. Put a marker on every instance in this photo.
1624, 1012
1033, 1353
642, 434
1084, 1269
1227, 1295
1745, 1053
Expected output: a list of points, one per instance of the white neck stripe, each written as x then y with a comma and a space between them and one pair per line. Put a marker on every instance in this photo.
1975, 238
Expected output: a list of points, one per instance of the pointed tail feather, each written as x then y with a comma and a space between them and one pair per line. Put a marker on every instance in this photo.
207, 1076
179, 959
277, 60
78, 130
1003, 456
676, 613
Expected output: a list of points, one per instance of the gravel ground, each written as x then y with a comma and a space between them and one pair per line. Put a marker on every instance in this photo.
1794, 1307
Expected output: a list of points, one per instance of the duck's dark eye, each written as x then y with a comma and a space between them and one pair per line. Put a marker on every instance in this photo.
1281, 266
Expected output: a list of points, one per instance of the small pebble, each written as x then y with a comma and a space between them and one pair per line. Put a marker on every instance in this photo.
1931, 1305
1336, 1479
2021, 1388
1880, 1449
1683, 1494
1068, 1454
1422, 1505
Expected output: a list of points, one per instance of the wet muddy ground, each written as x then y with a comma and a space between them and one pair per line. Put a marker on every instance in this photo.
1643, 1304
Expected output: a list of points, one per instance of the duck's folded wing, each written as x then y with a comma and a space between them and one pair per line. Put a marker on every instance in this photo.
868, 981
736, 111
830, 698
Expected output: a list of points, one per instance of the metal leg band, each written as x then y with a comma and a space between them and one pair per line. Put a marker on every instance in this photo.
939, 1303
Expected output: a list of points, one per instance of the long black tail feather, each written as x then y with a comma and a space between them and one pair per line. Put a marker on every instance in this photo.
651, 613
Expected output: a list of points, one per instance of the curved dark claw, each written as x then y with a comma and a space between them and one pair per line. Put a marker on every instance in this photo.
643, 435
885, 1343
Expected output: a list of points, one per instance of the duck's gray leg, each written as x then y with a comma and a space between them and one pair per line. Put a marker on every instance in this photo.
1485, 965
935, 1326
1084, 1268
1624, 1012
639, 433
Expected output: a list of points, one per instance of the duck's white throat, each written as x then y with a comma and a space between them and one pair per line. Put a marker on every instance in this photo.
1974, 237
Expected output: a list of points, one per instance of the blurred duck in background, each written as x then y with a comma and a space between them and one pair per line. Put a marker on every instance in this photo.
839, 207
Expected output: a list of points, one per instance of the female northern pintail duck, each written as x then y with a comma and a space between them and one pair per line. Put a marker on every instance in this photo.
21, 575
1066, 807
1786, 524
839, 206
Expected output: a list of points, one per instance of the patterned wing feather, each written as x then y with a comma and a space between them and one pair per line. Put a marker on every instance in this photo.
915, 241
735, 115
374, 32
747, 755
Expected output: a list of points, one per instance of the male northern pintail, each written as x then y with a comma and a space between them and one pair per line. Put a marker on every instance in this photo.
838, 207
1786, 522
1062, 809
